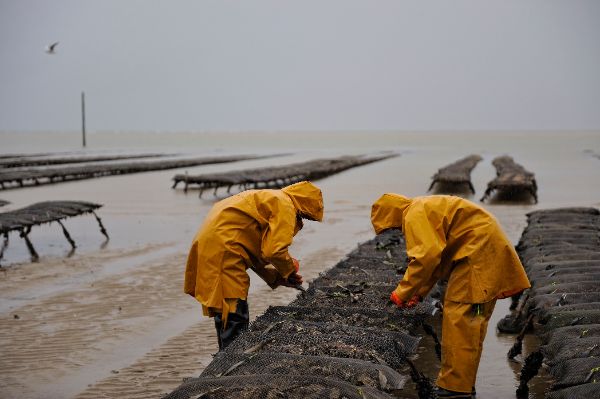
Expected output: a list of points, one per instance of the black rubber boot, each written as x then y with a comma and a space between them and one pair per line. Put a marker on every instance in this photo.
237, 322
446, 394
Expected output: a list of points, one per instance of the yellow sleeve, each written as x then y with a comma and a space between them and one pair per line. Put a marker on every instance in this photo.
268, 273
425, 241
278, 235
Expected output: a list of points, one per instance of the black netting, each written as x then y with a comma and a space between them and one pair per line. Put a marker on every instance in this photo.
382, 251
584, 391
557, 350
546, 314
375, 297
393, 321
550, 229
377, 349
563, 272
576, 317
289, 327
269, 386
585, 286
566, 278
558, 251
575, 372
541, 304
573, 241
356, 372
357, 275
571, 332
561, 258
392, 263
560, 265
560, 212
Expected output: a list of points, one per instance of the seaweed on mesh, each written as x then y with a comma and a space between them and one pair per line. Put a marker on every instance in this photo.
314, 329
357, 275
370, 297
374, 318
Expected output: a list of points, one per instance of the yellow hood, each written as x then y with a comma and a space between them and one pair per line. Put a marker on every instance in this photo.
387, 211
307, 199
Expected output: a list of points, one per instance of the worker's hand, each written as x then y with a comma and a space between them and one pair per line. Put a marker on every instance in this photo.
414, 301
294, 279
296, 264
411, 303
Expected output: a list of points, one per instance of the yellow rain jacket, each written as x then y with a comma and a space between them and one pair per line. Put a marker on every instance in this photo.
451, 238
252, 229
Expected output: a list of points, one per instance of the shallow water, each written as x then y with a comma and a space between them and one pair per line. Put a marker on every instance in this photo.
151, 227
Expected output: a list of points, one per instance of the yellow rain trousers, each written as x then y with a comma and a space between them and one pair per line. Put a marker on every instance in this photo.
252, 229
464, 326
453, 239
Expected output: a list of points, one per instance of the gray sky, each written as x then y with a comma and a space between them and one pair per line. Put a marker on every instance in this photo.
300, 65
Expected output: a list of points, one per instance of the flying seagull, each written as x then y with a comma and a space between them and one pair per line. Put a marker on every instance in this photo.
50, 48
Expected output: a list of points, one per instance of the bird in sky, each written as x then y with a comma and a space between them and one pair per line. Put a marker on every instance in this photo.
50, 49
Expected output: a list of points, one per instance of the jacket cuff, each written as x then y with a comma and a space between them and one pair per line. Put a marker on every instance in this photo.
403, 293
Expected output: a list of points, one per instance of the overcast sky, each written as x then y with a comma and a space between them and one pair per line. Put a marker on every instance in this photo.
300, 65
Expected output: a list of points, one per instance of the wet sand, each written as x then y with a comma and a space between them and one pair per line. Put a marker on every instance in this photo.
111, 320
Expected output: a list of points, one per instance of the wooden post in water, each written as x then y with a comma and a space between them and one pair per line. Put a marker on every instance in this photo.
83, 116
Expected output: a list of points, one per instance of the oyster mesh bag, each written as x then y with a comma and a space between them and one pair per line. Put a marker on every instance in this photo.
356, 372
557, 350
387, 263
374, 297
584, 391
549, 267
560, 278
557, 251
585, 286
546, 314
377, 349
572, 318
575, 372
564, 272
314, 329
357, 317
356, 275
565, 256
267, 386
571, 332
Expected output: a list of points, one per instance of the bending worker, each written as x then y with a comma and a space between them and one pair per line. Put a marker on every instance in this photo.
450, 238
252, 229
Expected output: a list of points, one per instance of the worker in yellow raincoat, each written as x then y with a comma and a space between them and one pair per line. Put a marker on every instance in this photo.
450, 238
250, 230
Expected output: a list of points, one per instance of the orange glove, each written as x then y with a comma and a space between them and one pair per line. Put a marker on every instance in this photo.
411, 303
296, 264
